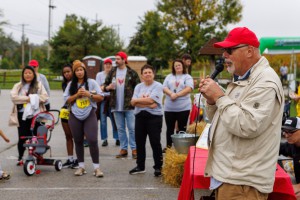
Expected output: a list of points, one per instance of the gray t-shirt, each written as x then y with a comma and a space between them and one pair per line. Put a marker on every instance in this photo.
100, 79
42, 78
176, 84
120, 85
153, 91
82, 113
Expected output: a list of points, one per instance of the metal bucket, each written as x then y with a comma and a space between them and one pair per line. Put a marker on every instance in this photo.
182, 141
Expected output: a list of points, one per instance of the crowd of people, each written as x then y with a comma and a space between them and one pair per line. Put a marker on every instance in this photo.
134, 108
243, 139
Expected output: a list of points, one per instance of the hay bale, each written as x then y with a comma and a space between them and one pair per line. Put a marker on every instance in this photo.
173, 167
200, 127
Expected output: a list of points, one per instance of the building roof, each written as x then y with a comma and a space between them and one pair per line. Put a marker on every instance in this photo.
209, 49
95, 57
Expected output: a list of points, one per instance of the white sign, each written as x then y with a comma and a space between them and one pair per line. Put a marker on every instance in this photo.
91, 63
202, 141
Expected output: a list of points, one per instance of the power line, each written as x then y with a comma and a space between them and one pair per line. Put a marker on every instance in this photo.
28, 31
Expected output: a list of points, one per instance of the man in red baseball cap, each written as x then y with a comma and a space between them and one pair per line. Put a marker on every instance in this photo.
246, 122
122, 55
120, 82
105, 109
42, 78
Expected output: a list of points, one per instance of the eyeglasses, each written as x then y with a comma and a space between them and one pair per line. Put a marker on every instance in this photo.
230, 49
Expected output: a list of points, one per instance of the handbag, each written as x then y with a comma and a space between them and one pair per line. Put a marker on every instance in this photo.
210, 197
13, 118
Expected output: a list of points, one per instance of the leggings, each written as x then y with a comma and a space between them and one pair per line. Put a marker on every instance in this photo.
23, 130
89, 128
171, 117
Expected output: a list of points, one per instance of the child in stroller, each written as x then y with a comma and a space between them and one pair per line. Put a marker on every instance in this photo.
4, 175
37, 144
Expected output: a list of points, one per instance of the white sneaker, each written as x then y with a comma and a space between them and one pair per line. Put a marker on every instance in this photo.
98, 173
80, 171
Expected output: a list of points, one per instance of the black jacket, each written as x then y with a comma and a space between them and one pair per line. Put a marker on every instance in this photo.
292, 151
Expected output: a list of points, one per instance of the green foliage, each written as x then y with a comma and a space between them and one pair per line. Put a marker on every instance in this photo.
78, 38
153, 40
194, 22
6, 64
183, 26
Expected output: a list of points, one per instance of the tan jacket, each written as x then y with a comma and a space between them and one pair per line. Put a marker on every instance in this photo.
16, 99
245, 132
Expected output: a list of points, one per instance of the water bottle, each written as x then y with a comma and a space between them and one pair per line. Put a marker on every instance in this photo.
113, 82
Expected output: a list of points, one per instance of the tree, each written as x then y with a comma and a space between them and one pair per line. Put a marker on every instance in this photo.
78, 38
2, 22
194, 22
153, 40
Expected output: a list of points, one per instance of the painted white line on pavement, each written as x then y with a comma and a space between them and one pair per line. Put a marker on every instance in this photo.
82, 188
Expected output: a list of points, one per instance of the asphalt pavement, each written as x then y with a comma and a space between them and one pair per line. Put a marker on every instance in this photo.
116, 184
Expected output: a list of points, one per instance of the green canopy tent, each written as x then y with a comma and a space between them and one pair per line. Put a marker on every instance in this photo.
283, 45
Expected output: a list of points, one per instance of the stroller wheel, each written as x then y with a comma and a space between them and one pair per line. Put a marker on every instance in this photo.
58, 165
29, 167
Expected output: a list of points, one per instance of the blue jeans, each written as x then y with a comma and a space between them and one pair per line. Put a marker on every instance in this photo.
129, 118
103, 122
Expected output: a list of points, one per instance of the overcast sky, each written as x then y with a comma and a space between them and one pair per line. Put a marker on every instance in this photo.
264, 17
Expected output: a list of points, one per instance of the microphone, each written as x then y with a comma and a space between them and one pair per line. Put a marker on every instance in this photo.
219, 68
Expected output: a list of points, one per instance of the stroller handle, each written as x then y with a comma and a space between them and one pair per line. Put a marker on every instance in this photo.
34, 120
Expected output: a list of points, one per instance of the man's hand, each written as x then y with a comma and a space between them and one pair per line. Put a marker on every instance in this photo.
210, 90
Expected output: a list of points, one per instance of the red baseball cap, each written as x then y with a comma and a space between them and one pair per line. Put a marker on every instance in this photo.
123, 55
239, 35
108, 60
33, 63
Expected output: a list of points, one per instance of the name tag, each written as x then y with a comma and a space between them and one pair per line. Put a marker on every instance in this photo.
24, 105
82, 102
64, 113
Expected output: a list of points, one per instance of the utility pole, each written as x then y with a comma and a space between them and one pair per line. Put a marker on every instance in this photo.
49, 27
23, 43
118, 25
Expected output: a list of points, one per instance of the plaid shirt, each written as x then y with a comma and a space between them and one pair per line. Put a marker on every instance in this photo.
131, 80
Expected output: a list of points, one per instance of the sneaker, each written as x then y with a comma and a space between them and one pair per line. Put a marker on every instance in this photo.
98, 173
67, 164
5, 176
157, 172
134, 154
137, 170
80, 171
117, 142
85, 143
105, 143
123, 154
20, 163
165, 149
74, 164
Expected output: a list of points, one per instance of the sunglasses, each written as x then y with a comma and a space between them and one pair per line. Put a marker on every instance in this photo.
230, 49
290, 131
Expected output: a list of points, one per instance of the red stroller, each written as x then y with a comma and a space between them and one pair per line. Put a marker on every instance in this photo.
38, 145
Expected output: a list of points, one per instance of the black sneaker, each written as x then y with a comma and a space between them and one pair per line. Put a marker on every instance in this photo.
67, 164
117, 142
74, 164
137, 170
85, 143
157, 172
105, 143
